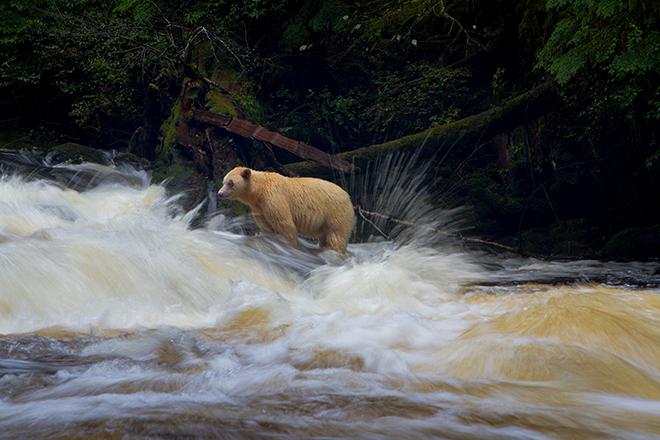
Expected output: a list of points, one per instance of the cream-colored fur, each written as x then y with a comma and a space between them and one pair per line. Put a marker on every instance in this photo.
289, 206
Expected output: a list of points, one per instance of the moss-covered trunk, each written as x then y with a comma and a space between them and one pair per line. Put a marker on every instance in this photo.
195, 156
480, 127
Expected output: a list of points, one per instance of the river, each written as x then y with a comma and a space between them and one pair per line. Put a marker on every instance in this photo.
120, 320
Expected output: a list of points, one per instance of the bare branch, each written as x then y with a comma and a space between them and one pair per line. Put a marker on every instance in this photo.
444, 14
364, 213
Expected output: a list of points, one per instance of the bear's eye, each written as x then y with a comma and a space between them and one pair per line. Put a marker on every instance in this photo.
230, 183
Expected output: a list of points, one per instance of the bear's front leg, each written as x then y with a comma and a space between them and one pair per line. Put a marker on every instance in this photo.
280, 220
261, 222
288, 230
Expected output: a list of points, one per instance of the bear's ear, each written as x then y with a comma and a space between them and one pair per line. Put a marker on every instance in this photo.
246, 173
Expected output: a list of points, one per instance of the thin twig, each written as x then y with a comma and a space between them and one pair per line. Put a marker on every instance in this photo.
488, 242
384, 216
380, 231
468, 38
362, 213
210, 82
547, 197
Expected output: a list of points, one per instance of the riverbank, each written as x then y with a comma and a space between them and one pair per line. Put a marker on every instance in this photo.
495, 218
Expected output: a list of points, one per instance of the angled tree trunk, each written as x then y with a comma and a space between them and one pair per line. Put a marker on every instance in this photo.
250, 130
480, 127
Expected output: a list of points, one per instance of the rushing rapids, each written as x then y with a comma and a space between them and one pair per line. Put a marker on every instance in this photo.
118, 319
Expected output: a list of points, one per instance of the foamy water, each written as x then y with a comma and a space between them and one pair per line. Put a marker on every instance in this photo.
118, 319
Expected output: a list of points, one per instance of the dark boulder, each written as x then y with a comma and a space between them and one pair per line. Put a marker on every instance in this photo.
634, 243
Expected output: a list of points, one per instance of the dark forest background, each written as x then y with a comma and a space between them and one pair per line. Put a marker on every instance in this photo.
541, 116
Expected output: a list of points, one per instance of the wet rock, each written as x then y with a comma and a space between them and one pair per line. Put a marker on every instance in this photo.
71, 152
634, 243
120, 159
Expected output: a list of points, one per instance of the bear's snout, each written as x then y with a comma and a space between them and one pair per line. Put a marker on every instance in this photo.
223, 193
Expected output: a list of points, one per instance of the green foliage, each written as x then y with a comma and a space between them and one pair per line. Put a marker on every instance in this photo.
616, 37
314, 22
254, 8
607, 53
250, 105
420, 96
652, 160
534, 26
20, 23
605, 34
221, 13
324, 120
332, 115
369, 72
97, 60
333, 108
330, 17
498, 84
99, 57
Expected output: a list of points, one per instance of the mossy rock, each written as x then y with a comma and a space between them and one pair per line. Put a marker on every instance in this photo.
182, 178
168, 128
572, 238
575, 238
22, 139
241, 100
175, 170
634, 243
219, 102
250, 105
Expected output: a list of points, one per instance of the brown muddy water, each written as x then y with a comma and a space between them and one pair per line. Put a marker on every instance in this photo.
117, 320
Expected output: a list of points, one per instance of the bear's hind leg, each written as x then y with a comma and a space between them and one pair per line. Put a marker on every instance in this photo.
335, 241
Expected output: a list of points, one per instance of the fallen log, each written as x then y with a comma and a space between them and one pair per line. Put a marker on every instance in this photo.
484, 125
250, 130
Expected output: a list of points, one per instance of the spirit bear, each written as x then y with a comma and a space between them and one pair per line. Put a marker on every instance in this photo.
289, 206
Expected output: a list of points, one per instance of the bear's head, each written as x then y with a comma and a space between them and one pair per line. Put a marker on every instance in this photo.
235, 184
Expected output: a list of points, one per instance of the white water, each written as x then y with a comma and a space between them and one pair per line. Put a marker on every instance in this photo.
116, 257
118, 316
